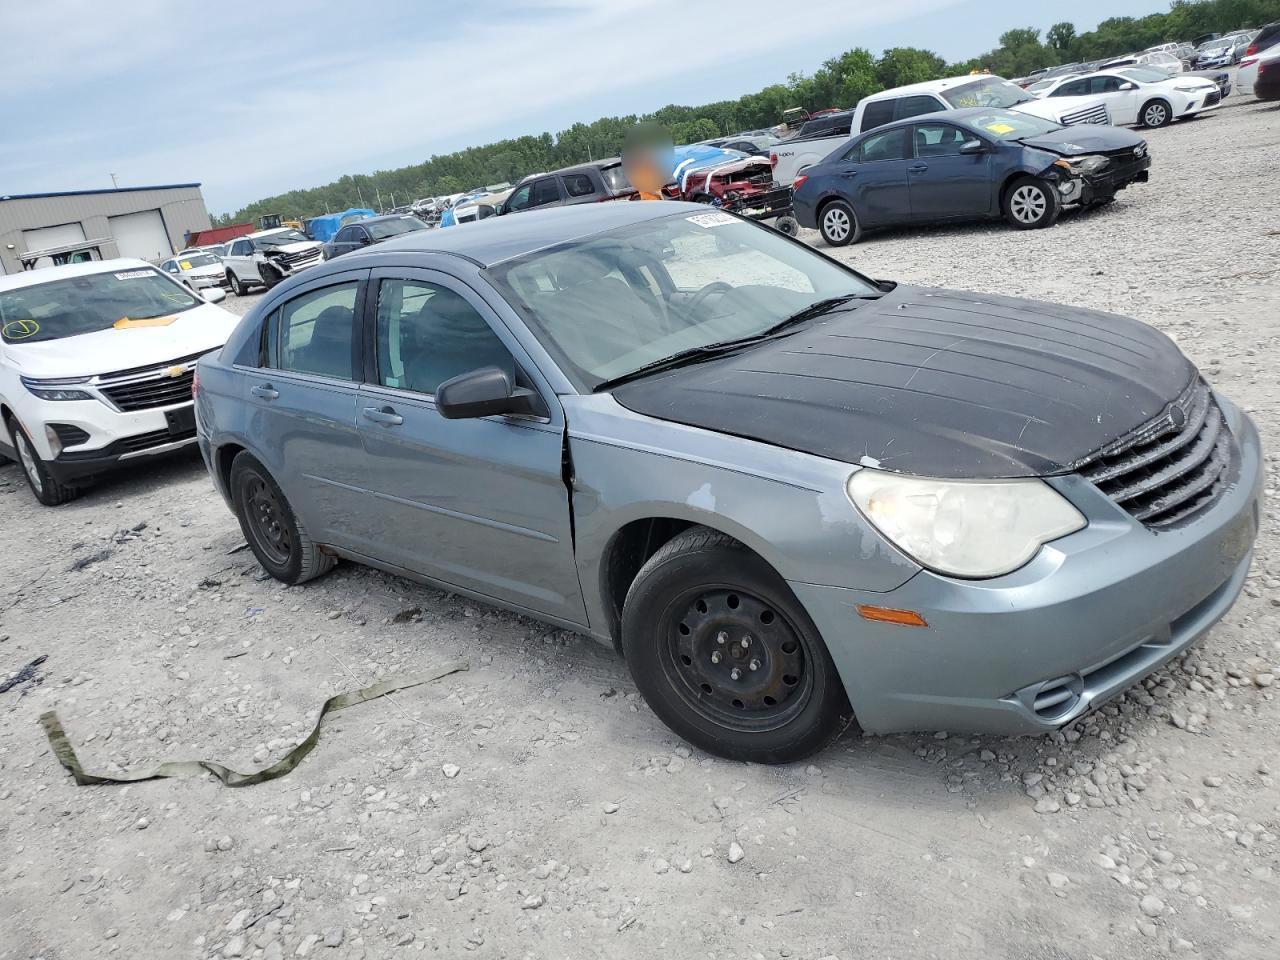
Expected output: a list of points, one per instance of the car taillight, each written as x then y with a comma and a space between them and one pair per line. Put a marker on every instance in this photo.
1250, 51
195, 382
1262, 68
798, 182
773, 159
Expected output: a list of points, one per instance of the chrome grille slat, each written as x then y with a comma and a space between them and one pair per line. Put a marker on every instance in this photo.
1171, 468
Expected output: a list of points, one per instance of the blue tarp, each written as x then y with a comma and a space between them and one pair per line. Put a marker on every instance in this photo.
323, 228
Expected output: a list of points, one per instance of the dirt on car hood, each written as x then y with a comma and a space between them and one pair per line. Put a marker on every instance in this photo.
936, 383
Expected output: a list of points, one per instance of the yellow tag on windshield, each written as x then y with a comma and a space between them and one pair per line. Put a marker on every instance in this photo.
185, 264
124, 323
999, 128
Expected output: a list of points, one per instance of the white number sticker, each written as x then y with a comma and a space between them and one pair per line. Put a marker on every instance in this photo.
133, 274
712, 219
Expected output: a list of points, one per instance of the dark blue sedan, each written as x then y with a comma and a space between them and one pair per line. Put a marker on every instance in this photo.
973, 163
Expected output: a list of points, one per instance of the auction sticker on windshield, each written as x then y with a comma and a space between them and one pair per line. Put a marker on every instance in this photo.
134, 274
711, 219
1000, 128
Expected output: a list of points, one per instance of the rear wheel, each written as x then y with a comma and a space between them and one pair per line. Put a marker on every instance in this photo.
275, 534
726, 656
838, 224
46, 487
1030, 204
1156, 113
787, 224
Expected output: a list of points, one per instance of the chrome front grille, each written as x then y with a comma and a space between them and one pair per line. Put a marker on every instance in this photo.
1171, 468
1095, 114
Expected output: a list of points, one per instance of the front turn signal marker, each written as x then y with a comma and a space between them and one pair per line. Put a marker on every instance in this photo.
904, 618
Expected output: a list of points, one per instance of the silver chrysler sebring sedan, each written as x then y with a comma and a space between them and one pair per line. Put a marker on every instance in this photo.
791, 496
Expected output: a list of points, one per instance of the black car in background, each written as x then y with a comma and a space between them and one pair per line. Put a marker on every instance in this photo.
584, 183
364, 233
966, 164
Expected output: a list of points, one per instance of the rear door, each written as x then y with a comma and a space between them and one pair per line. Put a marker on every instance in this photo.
480, 504
876, 178
946, 184
303, 401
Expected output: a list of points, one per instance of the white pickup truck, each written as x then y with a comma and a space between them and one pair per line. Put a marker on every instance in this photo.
819, 138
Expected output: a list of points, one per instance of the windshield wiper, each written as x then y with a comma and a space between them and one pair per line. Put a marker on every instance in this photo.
720, 348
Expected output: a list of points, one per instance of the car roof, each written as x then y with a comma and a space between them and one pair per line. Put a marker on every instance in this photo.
496, 239
28, 278
267, 233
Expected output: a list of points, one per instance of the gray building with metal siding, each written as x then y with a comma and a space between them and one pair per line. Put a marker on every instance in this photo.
146, 222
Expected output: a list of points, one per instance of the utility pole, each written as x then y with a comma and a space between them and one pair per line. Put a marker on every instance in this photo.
114, 183
379, 193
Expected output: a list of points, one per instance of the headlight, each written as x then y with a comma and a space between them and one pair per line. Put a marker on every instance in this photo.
1083, 165
1192, 90
967, 528
56, 389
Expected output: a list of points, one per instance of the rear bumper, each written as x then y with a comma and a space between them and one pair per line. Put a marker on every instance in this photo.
1026, 653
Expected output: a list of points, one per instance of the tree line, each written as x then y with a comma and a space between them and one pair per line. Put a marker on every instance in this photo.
840, 81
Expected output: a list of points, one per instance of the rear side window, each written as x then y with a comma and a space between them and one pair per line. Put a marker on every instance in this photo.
313, 333
427, 334
890, 145
578, 185
1072, 88
916, 106
878, 113
544, 191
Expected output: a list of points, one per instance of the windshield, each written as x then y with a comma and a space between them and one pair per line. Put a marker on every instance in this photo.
381, 229
1010, 125
98, 301
987, 92
279, 239
1144, 76
197, 260
607, 305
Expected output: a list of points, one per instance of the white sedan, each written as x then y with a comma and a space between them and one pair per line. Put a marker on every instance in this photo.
1138, 95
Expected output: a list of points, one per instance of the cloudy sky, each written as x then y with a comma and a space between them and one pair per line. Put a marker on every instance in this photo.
252, 99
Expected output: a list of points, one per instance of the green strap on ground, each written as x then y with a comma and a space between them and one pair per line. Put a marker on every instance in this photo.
196, 768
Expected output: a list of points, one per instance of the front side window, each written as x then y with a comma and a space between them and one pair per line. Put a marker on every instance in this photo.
240, 248
890, 145
917, 106
1072, 88
608, 304
87, 304
427, 334
938, 139
345, 235
544, 191
520, 199
313, 332
878, 113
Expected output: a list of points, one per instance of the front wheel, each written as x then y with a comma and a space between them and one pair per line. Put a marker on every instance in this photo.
838, 224
46, 487
238, 288
1156, 113
275, 534
1030, 204
726, 656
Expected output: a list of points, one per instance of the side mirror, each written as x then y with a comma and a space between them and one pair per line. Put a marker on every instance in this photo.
214, 295
1128, 85
971, 147
485, 392
365, 241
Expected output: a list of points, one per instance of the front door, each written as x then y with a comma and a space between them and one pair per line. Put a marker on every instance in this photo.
945, 183
481, 503
875, 174
303, 398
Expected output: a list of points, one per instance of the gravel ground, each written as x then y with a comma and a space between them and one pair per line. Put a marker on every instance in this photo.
533, 807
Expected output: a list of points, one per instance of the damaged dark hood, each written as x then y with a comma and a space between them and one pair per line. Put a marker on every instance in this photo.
936, 383
1085, 138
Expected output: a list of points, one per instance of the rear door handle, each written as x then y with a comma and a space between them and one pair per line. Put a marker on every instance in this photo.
849, 173
265, 391
383, 415
918, 168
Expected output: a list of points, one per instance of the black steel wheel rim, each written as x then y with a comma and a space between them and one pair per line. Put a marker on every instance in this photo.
266, 519
735, 659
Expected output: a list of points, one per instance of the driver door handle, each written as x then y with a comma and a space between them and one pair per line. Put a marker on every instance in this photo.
918, 168
265, 391
384, 415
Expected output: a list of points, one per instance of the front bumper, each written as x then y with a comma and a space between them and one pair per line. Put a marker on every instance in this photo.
1029, 652
209, 280
1089, 188
171, 429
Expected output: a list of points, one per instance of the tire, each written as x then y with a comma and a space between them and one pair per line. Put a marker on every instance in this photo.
838, 224
1031, 204
726, 656
788, 225
44, 486
238, 288
1156, 113
274, 533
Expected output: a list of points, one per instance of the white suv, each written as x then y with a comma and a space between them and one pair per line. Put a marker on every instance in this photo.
267, 257
96, 368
